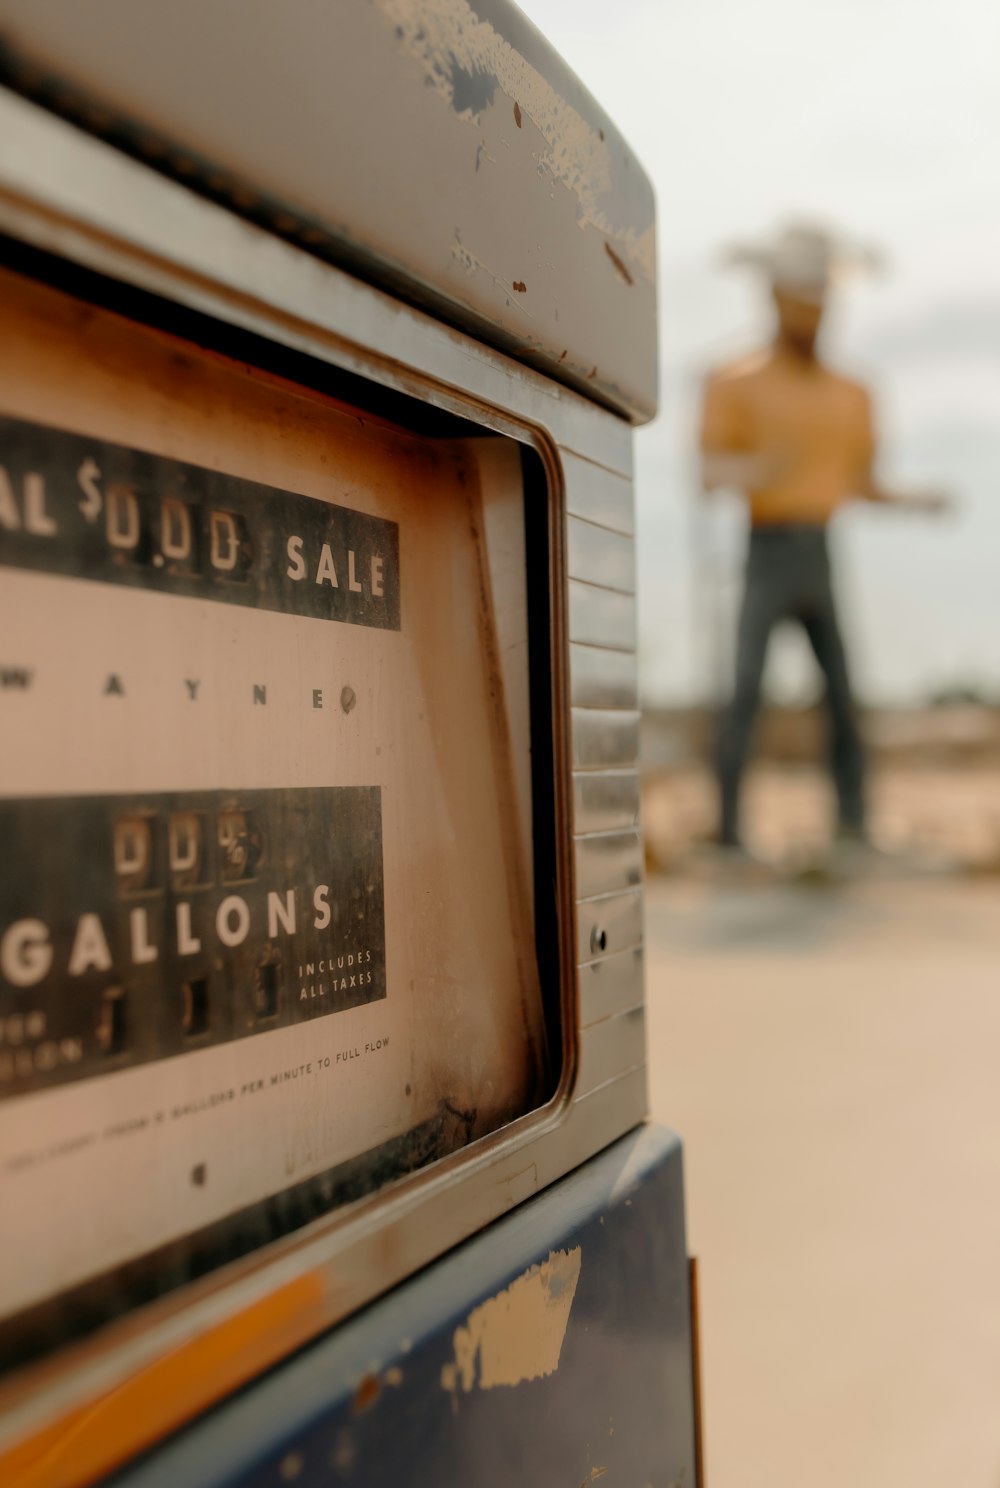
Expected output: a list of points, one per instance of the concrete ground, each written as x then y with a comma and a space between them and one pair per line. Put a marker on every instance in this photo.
831, 1056
944, 813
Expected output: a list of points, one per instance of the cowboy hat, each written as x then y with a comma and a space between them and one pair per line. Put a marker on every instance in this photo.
804, 258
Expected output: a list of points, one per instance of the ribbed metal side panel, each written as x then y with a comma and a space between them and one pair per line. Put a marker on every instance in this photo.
601, 565
605, 800
611, 1048
601, 617
600, 678
609, 923
610, 986
606, 860
593, 550
594, 493
604, 738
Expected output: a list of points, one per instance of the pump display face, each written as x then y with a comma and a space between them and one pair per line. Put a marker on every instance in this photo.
266, 897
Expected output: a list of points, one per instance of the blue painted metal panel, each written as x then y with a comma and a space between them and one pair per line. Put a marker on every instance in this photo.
376, 1402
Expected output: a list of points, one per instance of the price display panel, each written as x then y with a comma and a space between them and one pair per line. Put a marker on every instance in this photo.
267, 913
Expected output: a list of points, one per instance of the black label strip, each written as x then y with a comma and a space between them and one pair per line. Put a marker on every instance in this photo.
136, 928
82, 507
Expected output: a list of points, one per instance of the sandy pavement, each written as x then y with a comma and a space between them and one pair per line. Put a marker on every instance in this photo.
832, 1060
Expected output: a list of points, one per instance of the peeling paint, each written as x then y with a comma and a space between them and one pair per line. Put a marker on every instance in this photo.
518, 1334
465, 60
621, 269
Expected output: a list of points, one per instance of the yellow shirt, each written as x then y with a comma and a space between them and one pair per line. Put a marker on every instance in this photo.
816, 424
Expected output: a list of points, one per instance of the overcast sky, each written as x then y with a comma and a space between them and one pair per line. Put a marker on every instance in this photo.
884, 117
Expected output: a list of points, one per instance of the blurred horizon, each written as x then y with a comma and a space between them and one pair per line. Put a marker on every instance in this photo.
878, 118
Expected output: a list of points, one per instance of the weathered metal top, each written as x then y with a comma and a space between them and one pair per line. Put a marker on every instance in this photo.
438, 147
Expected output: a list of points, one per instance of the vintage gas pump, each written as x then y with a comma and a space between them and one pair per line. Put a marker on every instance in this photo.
322, 1060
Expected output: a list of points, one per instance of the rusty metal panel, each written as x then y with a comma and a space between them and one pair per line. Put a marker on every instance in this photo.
75, 196
403, 134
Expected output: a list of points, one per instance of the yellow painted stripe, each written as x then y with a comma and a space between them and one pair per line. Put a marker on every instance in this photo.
95, 1438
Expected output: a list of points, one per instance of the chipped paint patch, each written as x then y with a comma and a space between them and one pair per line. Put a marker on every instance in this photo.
518, 1334
464, 59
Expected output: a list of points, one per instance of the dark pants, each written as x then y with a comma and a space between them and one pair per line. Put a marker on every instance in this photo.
788, 578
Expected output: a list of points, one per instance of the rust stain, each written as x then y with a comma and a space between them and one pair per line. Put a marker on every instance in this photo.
621, 268
517, 113
472, 265
92, 1440
366, 1394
